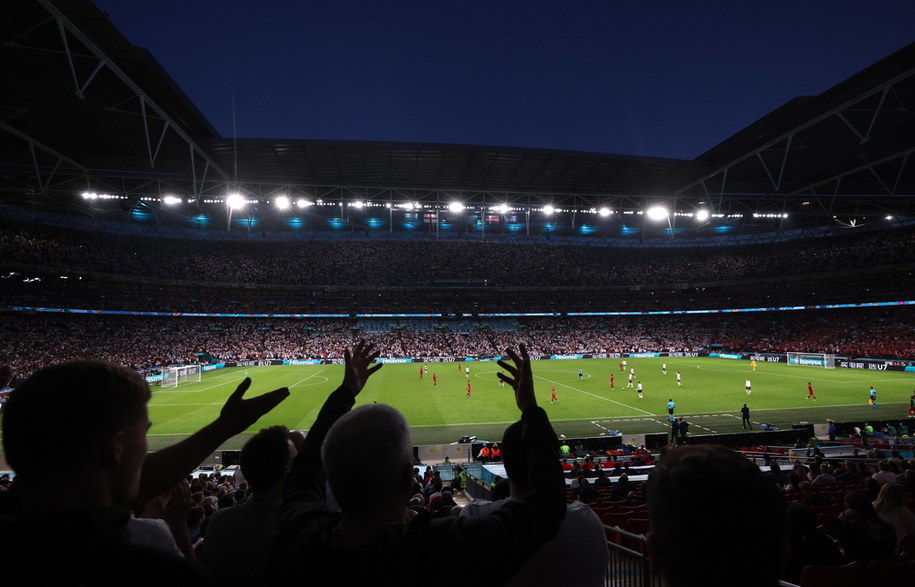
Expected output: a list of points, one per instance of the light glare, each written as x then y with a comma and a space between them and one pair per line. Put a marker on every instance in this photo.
657, 213
282, 202
235, 201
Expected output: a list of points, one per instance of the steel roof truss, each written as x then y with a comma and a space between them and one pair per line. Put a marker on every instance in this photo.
66, 26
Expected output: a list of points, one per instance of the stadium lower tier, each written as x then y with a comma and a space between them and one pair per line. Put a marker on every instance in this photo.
38, 339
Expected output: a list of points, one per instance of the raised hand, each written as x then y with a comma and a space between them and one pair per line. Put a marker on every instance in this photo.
179, 504
239, 414
357, 366
521, 379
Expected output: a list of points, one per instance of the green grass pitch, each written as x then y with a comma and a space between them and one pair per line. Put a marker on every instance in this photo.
711, 397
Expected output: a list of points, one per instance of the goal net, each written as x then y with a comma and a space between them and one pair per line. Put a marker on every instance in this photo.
826, 360
175, 375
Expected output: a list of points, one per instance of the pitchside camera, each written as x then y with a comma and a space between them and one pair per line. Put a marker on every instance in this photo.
466, 439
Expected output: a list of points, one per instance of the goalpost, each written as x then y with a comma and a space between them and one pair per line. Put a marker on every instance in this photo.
176, 374
826, 360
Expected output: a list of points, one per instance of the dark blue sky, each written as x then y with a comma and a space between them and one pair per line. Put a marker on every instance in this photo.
663, 79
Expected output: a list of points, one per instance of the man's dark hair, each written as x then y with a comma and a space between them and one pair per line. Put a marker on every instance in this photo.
715, 519
80, 402
513, 444
265, 457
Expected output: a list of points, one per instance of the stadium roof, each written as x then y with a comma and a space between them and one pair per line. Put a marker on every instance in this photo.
82, 109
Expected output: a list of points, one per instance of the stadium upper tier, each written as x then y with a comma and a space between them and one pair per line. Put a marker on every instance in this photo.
42, 266
428, 263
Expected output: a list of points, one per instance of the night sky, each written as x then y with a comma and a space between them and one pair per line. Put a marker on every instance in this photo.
661, 79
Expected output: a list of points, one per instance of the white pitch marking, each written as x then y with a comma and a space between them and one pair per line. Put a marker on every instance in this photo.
594, 395
309, 377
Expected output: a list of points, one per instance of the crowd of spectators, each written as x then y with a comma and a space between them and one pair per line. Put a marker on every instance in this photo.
52, 291
49, 267
394, 263
147, 342
860, 507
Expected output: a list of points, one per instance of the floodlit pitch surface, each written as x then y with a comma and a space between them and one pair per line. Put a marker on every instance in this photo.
710, 398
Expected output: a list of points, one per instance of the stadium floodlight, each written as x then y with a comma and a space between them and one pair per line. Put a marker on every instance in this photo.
357, 204
501, 208
702, 215
282, 202
302, 203
90, 196
171, 200
455, 206
605, 211
407, 205
889, 217
548, 209
235, 201
657, 212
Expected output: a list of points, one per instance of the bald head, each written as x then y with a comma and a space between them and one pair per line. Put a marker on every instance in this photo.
370, 442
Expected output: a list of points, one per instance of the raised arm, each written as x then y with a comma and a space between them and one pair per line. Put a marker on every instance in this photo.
529, 521
164, 468
305, 482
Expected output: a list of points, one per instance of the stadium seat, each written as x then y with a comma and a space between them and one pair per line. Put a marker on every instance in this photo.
849, 575
610, 518
636, 525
